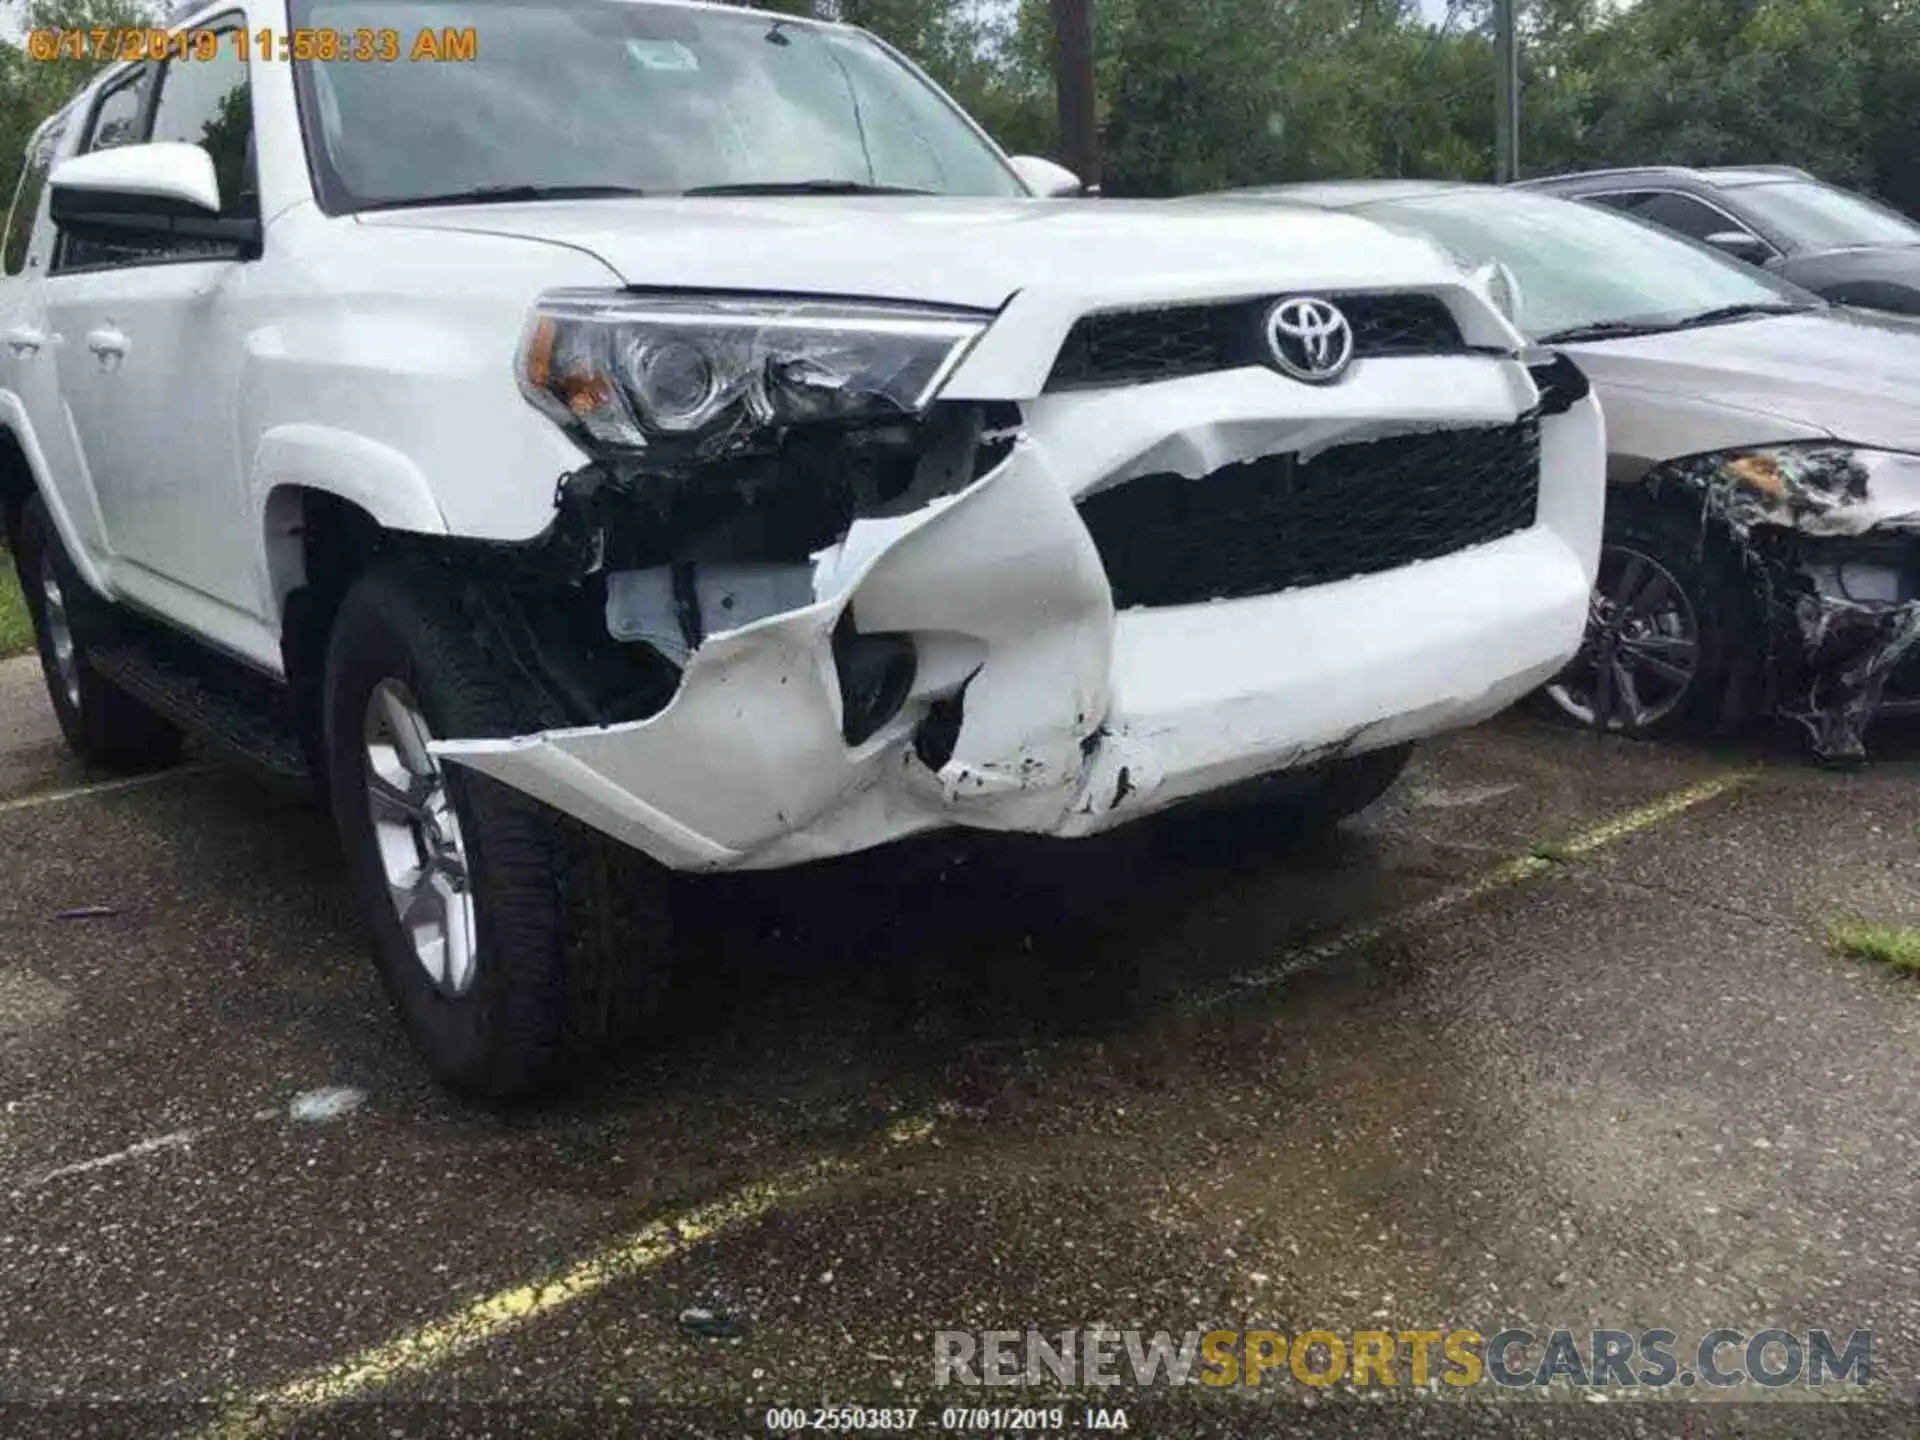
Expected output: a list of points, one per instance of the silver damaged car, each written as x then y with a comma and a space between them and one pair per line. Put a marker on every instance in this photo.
1763, 513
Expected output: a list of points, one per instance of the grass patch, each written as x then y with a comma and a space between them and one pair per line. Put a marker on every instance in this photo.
16, 626
1895, 946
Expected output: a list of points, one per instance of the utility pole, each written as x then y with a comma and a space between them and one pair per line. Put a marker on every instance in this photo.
1506, 94
1073, 88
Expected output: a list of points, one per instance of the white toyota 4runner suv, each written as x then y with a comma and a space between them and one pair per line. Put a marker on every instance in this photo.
683, 423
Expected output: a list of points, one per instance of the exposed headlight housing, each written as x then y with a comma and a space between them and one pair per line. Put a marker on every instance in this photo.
1818, 487
698, 378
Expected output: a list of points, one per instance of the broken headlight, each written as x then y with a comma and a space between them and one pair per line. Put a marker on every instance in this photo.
707, 377
1853, 511
1822, 487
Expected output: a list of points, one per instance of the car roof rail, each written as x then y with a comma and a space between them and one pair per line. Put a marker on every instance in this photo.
1794, 170
1616, 170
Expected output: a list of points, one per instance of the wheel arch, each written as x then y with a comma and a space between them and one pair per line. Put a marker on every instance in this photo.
295, 462
317, 543
23, 475
17, 484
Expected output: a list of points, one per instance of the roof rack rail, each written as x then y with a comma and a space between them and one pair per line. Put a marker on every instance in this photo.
1793, 170
1618, 170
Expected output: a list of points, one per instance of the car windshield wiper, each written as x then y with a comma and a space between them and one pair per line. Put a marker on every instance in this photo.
507, 195
804, 187
1662, 325
1603, 330
1723, 313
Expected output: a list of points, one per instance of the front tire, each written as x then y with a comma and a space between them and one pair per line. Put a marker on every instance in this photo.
103, 725
487, 912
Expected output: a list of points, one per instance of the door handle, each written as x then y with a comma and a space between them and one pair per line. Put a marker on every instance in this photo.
25, 340
108, 344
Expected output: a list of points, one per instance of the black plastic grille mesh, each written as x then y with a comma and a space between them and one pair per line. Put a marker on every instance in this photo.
1277, 524
1133, 347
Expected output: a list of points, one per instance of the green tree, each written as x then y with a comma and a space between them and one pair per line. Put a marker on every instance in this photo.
31, 90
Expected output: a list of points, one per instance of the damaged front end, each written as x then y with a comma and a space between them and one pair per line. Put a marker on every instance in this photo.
810, 597
707, 676
1826, 538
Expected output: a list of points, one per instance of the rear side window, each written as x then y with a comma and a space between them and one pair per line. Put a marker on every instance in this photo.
26, 198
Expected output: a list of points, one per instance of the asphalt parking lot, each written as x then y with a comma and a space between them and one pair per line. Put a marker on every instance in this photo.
1552, 1037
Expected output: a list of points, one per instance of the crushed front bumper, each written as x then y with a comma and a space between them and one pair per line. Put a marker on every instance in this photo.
1059, 715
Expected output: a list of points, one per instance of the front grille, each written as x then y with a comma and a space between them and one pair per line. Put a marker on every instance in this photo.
1133, 347
1280, 523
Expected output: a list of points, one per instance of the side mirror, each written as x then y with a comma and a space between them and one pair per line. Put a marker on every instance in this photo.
1740, 245
159, 191
1046, 179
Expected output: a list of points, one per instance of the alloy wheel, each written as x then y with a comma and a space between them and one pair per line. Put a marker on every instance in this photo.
417, 832
1641, 657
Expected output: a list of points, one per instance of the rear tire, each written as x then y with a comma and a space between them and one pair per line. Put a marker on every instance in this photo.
103, 725
548, 978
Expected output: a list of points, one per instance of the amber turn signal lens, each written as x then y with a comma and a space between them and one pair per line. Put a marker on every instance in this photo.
539, 362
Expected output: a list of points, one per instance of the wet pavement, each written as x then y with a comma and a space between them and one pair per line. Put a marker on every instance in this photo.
980, 1085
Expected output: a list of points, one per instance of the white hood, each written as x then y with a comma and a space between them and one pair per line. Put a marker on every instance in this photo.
963, 252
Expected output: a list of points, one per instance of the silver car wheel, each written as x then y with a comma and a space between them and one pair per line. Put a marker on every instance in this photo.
417, 833
1641, 655
53, 607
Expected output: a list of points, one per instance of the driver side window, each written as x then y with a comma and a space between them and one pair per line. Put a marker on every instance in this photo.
210, 104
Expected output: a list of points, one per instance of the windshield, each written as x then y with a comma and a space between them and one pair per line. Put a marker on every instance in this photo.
1579, 266
1818, 217
606, 93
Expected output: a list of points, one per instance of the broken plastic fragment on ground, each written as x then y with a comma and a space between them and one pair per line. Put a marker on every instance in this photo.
87, 912
330, 1103
707, 1325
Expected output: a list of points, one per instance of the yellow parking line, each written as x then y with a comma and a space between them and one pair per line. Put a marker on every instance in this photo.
432, 1345
1656, 812
1504, 876
98, 787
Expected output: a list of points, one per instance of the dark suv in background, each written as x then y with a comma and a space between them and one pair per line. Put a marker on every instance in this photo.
1838, 244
